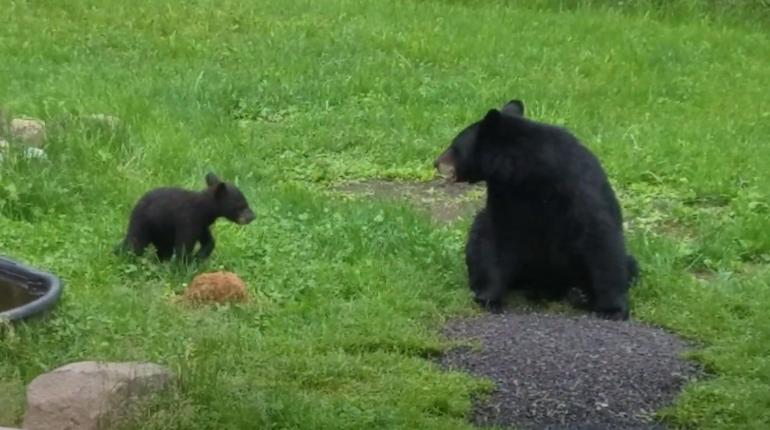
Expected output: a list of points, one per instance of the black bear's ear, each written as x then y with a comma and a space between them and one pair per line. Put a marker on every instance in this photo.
491, 120
514, 108
212, 179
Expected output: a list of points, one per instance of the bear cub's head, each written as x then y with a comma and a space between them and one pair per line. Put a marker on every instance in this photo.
229, 200
467, 158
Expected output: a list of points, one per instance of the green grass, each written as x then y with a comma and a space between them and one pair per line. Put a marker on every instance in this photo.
289, 97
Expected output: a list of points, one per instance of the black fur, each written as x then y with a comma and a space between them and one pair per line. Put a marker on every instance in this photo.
174, 219
552, 220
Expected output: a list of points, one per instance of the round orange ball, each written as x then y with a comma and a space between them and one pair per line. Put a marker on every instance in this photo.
216, 287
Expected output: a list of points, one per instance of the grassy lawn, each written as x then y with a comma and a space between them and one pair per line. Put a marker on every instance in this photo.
290, 97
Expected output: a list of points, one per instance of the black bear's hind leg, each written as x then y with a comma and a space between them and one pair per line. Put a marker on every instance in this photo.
134, 242
164, 251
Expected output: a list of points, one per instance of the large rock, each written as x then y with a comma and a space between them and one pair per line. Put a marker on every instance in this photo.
28, 131
90, 395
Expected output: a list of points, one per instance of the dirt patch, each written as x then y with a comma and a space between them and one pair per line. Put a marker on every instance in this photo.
704, 275
570, 372
444, 201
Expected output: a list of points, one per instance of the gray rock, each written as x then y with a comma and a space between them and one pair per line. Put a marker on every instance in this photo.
29, 131
90, 395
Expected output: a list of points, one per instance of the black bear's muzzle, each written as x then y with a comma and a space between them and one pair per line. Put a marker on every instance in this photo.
246, 217
445, 166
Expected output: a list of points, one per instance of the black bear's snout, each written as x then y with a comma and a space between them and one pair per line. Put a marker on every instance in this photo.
445, 165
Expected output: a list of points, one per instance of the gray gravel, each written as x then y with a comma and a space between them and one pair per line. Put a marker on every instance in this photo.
570, 372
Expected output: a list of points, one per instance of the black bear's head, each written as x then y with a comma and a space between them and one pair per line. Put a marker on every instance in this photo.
477, 152
229, 200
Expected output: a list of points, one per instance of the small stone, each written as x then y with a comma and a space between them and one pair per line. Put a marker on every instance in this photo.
108, 120
28, 131
90, 395
4, 145
3, 121
37, 153
216, 287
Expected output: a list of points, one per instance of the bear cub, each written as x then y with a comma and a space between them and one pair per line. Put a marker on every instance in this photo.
551, 222
175, 219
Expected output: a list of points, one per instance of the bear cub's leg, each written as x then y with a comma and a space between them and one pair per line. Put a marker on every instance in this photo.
207, 244
184, 243
136, 240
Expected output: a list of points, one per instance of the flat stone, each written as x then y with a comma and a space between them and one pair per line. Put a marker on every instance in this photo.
90, 395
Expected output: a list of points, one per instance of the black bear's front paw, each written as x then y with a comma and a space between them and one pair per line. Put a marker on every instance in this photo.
492, 306
613, 314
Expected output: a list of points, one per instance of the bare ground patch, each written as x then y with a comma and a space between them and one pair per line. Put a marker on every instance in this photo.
569, 372
444, 201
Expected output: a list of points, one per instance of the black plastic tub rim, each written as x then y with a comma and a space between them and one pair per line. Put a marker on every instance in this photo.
46, 286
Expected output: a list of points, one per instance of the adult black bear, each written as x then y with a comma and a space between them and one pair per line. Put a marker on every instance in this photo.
551, 220
174, 219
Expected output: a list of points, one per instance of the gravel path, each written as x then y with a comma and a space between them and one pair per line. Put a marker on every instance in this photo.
570, 372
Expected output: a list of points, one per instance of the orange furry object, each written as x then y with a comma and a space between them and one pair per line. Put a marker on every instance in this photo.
216, 287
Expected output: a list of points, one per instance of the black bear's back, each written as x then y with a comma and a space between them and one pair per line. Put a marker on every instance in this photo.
162, 208
550, 209
575, 172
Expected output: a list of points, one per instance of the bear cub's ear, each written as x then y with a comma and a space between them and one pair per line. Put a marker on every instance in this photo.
514, 108
212, 179
220, 188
